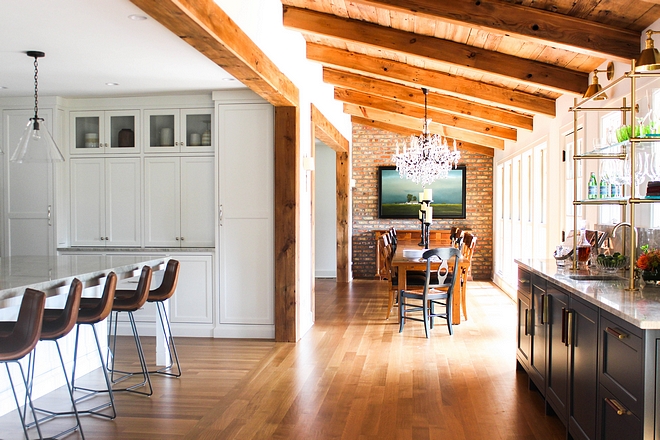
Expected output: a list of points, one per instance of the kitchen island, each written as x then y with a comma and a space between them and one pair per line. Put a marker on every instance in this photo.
591, 348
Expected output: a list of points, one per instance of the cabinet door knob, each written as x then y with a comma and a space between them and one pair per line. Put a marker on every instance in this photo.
182, 238
616, 406
617, 334
107, 238
177, 239
102, 238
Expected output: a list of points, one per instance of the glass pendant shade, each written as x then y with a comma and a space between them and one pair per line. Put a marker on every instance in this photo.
36, 144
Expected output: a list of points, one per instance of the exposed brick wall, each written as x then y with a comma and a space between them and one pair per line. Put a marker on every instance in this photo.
373, 147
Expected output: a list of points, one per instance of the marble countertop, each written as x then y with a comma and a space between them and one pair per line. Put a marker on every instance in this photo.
641, 307
150, 250
52, 273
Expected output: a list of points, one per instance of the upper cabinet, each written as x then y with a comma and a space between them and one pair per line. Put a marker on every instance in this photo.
178, 130
99, 132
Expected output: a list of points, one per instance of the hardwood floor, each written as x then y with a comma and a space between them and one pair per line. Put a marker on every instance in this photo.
353, 376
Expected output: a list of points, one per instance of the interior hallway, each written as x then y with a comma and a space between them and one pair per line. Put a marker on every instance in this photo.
353, 376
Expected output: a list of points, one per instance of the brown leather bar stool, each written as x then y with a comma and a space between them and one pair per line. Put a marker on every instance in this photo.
159, 296
130, 301
18, 339
93, 311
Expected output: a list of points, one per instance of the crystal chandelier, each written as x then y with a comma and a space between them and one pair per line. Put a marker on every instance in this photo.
427, 157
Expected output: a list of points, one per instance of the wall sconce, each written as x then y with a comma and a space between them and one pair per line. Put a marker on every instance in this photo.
594, 88
649, 58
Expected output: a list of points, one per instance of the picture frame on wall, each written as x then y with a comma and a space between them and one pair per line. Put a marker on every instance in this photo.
398, 198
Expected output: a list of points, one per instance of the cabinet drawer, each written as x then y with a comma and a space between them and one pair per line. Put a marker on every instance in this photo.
616, 420
524, 281
621, 369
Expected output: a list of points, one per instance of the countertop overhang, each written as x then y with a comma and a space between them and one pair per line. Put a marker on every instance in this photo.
640, 308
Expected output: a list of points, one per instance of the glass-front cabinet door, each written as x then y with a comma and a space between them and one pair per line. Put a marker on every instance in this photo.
197, 127
97, 132
162, 130
174, 130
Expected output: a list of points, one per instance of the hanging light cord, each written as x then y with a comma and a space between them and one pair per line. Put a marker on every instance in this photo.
36, 89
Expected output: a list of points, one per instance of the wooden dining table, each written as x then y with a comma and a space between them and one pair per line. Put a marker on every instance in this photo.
402, 265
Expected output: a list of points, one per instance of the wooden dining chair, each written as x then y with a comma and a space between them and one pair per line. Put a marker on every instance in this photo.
467, 250
432, 295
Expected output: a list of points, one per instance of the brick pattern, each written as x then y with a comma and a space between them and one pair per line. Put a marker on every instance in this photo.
372, 148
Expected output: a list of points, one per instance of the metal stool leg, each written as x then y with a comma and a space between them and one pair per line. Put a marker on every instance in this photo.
28, 398
92, 392
171, 347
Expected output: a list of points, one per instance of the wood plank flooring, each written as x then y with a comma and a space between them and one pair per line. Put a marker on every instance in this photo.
353, 376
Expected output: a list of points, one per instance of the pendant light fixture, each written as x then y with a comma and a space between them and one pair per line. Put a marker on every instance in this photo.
426, 157
36, 144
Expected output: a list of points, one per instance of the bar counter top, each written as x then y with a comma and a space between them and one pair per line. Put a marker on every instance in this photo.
50, 273
640, 308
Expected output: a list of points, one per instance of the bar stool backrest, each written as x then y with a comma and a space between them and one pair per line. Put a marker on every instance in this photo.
168, 286
63, 319
27, 329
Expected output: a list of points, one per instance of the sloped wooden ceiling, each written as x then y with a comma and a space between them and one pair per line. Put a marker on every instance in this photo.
489, 65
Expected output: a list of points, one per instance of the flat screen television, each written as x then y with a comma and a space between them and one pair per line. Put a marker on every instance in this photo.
397, 197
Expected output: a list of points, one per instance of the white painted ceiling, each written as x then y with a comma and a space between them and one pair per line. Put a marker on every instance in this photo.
89, 43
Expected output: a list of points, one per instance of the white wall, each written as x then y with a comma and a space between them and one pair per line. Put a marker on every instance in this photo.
325, 237
261, 20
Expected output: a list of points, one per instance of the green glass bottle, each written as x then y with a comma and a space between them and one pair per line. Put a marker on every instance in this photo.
592, 188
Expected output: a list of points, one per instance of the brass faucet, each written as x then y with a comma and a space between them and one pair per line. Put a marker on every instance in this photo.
617, 226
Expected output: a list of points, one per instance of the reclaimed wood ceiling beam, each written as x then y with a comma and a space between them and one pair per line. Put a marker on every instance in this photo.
451, 104
417, 111
432, 79
412, 122
405, 131
531, 72
207, 28
538, 25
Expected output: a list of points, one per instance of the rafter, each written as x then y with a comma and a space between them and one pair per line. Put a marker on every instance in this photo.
523, 70
207, 28
450, 104
432, 79
541, 26
405, 131
415, 123
417, 111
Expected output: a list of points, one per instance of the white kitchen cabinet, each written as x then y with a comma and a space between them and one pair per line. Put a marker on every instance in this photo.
245, 150
179, 201
193, 300
105, 201
178, 130
99, 132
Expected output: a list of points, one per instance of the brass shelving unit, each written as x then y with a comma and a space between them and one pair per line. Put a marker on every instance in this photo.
626, 148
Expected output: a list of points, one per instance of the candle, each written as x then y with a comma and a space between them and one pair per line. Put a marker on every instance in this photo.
420, 214
428, 194
421, 197
429, 214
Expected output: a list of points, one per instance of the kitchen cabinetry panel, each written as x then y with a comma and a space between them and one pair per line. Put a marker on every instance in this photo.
179, 206
98, 132
537, 360
105, 202
524, 337
583, 368
162, 202
193, 300
557, 374
617, 422
178, 130
621, 355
